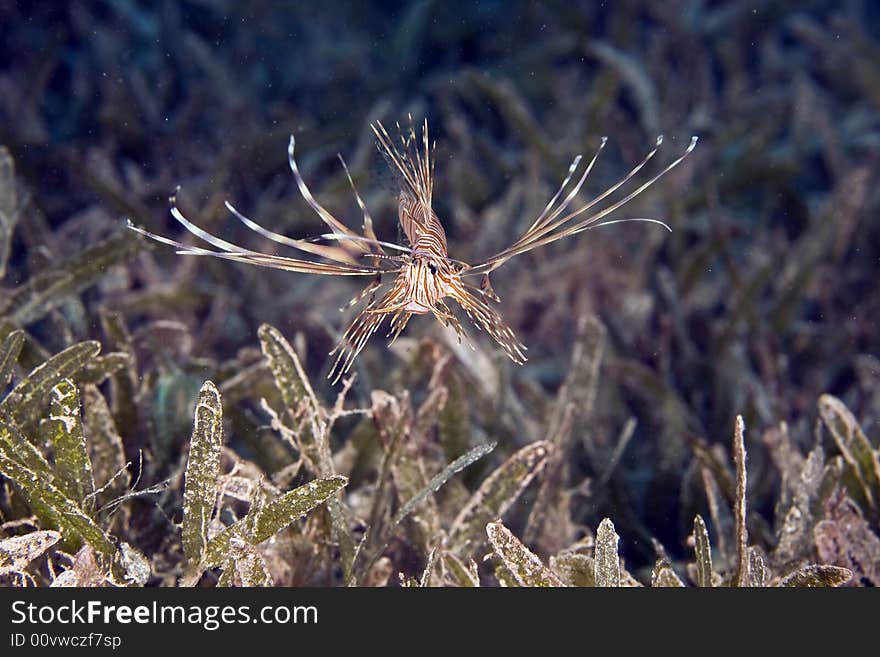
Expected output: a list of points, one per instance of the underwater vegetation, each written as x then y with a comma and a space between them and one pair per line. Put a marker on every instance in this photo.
699, 408
327, 528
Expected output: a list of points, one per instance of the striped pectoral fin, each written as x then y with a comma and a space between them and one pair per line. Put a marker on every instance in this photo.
369, 291
504, 336
562, 222
398, 323
334, 253
341, 264
284, 263
359, 331
334, 223
369, 233
445, 316
489, 320
352, 343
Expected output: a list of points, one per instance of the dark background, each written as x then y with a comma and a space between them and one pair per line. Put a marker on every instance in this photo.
763, 297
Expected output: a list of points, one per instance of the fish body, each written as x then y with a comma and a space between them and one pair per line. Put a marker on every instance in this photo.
424, 276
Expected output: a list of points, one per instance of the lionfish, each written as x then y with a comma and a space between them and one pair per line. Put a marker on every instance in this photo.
425, 275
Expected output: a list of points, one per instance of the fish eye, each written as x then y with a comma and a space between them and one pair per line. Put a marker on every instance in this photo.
433, 268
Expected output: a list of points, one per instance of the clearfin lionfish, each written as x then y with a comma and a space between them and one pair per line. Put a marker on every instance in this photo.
425, 277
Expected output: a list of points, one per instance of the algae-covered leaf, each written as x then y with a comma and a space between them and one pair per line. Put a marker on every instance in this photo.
442, 477
854, 446
522, 563
741, 575
106, 451
124, 383
815, 576
788, 461
425, 580
24, 403
758, 574
296, 391
465, 575
275, 516
607, 562
720, 513
17, 552
454, 423
703, 551
409, 478
23, 451
663, 576
378, 574
504, 576
586, 359
202, 471
84, 572
391, 417
244, 566
9, 351
549, 524
343, 536
259, 499
798, 517
9, 206
291, 379
100, 368
495, 496
294, 505
551, 505
50, 288
574, 569
845, 538
409, 475
135, 565
53, 507
64, 431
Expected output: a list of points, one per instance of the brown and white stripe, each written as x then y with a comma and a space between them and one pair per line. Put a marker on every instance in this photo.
424, 273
